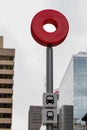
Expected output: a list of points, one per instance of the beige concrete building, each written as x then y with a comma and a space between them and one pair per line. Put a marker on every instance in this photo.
35, 118
6, 86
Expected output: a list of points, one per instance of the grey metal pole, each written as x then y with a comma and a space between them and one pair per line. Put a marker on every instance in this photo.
49, 70
49, 76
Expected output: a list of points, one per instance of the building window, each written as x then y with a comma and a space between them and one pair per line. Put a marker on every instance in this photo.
5, 105
6, 85
5, 125
6, 76
5, 115
8, 67
5, 95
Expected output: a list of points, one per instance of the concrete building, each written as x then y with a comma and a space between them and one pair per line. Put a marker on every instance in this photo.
56, 126
73, 89
66, 118
35, 117
6, 86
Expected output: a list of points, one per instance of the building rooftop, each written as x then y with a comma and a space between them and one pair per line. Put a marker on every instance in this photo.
81, 54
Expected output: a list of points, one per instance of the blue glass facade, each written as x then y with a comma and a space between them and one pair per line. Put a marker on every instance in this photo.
73, 89
80, 89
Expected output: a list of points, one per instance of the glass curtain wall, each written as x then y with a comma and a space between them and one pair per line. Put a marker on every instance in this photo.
80, 91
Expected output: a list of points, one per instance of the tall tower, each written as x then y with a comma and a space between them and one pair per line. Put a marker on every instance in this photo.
6, 86
73, 89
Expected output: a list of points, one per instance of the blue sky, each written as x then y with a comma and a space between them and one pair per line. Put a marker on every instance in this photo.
30, 58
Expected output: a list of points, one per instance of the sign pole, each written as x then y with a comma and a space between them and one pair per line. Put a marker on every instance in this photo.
49, 76
49, 70
49, 40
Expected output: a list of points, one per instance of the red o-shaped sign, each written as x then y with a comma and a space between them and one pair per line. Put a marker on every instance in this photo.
49, 17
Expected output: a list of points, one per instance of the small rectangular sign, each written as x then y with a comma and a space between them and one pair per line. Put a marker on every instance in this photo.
49, 116
49, 100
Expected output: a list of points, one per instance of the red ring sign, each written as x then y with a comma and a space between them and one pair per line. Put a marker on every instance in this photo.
49, 38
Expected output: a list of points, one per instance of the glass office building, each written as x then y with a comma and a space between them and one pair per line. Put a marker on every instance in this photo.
73, 89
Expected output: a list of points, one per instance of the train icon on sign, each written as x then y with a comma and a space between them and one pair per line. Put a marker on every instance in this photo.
50, 115
50, 99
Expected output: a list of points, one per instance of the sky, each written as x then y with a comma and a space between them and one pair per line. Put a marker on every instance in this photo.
30, 57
